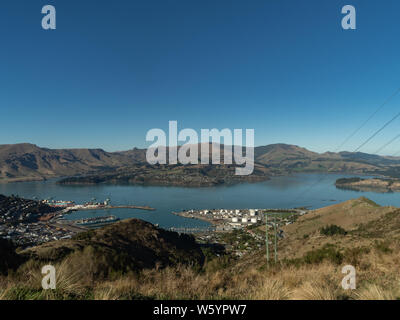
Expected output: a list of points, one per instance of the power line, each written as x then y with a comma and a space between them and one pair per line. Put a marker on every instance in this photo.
369, 118
353, 134
376, 132
390, 142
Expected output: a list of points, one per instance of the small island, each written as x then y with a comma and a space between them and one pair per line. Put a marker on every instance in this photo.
369, 184
170, 175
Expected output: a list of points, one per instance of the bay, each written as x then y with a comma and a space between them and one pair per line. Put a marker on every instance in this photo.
310, 190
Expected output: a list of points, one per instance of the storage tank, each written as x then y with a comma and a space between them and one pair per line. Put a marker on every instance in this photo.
252, 212
235, 220
244, 220
253, 220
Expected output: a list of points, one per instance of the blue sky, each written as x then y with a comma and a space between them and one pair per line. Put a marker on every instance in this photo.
115, 69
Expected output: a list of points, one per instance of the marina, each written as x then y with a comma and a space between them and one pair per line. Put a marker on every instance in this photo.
67, 207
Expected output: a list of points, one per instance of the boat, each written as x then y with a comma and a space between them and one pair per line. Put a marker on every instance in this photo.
96, 221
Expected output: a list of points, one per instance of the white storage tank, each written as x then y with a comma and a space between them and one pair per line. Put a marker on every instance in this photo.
244, 220
253, 220
252, 212
235, 220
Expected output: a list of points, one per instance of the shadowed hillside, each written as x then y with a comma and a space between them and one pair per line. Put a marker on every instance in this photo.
128, 245
29, 162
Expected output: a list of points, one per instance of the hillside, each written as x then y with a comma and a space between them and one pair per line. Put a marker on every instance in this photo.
176, 175
14, 210
305, 234
97, 265
283, 158
24, 162
29, 162
374, 184
348, 215
10, 260
128, 245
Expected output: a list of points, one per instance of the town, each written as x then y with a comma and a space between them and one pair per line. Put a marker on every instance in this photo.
231, 219
239, 231
32, 222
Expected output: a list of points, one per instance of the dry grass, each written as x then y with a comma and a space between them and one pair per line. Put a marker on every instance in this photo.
308, 282
378, 277
320, 282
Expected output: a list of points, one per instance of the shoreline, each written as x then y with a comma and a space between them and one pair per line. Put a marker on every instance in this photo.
231, 219
255, 179
147, 208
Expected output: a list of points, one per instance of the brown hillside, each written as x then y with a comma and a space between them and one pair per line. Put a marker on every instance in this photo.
348, 215
128, 245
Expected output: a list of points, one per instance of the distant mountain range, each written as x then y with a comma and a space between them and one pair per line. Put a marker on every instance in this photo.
24, 162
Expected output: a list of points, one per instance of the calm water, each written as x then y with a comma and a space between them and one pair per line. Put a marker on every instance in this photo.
313, 190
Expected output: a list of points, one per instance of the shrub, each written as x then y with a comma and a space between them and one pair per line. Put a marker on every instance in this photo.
332, 230
383, 246
327, 252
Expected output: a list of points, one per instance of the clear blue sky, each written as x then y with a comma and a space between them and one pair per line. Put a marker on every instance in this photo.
115, 69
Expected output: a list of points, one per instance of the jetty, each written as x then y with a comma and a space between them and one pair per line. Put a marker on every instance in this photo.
102, 207
191, 230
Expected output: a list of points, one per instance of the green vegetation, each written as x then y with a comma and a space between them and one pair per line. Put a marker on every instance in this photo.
332, 230
383, 246
9, 259
348, 180
327, 252
239, 239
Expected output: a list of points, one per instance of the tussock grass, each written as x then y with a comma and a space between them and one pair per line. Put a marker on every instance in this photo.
376, 292
377, 277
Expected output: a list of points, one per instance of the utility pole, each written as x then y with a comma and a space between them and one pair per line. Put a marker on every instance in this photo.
275, 247
266, 236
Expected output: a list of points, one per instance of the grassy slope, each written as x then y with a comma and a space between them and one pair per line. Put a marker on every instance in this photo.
309, 266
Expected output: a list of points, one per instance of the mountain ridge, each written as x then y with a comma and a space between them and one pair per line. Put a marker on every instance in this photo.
25, 162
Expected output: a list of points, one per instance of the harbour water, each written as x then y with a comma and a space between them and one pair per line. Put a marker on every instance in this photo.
311, 190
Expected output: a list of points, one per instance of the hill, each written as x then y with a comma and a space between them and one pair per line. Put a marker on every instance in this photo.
10, 260
29, 162
129, 245
375, 184
24, 162
309, 266
15, 210
348, 215
305, 234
